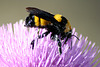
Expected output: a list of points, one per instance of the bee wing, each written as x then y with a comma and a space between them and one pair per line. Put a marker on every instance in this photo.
41, 14
33, 10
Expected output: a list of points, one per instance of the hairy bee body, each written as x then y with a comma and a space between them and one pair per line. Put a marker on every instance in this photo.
57, 24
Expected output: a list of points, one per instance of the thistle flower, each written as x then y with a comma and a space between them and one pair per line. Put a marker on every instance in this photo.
15, 49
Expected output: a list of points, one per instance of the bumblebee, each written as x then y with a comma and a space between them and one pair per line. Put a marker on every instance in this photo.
58, 25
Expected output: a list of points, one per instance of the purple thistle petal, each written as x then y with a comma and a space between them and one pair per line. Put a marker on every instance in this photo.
98, 65
15, 49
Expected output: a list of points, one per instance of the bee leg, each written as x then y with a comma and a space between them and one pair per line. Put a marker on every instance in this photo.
59, 43
43, 35
69, 36
66, 40
32, 43
39, 36
71, 44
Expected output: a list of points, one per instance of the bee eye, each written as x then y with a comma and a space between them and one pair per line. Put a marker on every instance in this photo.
27, 18
30, 22
32, 17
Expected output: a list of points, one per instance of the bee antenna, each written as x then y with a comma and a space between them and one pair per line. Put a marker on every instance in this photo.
75, 36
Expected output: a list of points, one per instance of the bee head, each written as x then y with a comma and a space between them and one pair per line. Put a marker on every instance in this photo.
29, 22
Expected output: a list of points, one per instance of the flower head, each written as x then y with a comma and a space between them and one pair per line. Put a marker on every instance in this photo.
15, 49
